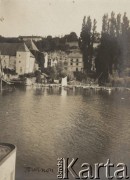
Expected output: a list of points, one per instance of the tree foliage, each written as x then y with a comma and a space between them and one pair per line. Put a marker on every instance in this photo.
56, 43
88, 36
114, 46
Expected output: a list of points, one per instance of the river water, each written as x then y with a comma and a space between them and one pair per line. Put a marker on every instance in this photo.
49, 123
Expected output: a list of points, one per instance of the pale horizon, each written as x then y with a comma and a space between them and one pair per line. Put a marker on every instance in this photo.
54, 17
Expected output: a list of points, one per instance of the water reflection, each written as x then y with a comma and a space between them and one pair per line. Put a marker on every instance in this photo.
46, 123
63, 92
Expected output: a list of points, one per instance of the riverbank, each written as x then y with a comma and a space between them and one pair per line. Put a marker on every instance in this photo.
74, 86
95, 87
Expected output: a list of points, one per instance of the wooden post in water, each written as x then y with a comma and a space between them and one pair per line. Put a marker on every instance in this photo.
0, 84
0, 74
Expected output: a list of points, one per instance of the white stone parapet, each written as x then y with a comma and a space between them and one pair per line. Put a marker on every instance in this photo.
7, 161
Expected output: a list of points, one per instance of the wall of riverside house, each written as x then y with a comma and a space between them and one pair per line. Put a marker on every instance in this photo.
72, 61
75, 64
24, 63
8, 61
12, 62
4, 60
21, 58
30, 65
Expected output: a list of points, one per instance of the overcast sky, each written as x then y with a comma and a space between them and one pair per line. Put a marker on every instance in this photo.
53, 17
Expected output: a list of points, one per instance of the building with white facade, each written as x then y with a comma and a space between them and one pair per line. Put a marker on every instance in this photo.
75, 61
71, 61
7, 161
53, 58
45, 59
17, 56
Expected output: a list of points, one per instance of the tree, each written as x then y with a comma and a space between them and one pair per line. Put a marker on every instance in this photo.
85, 42
61, 72
114, 46
93, 39
103, 55
51, 72
118, 25
124, 43
72, 37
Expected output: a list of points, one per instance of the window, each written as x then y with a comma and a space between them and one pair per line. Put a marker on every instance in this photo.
71, 60
65, 63
77, 60
71, 63
77, 64
19, 61
76, 69
21, 70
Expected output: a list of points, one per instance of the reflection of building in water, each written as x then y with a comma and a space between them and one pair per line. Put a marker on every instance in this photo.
7, 161
63, 92
45, 91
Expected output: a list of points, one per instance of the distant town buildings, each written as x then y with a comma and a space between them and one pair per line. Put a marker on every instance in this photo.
71, 60
56, 57
24, 57
34, 38
53, 58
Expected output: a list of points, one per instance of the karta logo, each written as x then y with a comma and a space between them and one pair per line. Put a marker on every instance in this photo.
66, 170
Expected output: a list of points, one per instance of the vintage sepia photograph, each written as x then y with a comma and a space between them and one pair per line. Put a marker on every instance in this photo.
64, 89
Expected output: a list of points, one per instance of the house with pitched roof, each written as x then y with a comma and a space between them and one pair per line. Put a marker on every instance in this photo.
31, 45
75, 61
17, 56
41, 57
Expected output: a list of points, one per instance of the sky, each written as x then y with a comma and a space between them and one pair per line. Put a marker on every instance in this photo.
54, 17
